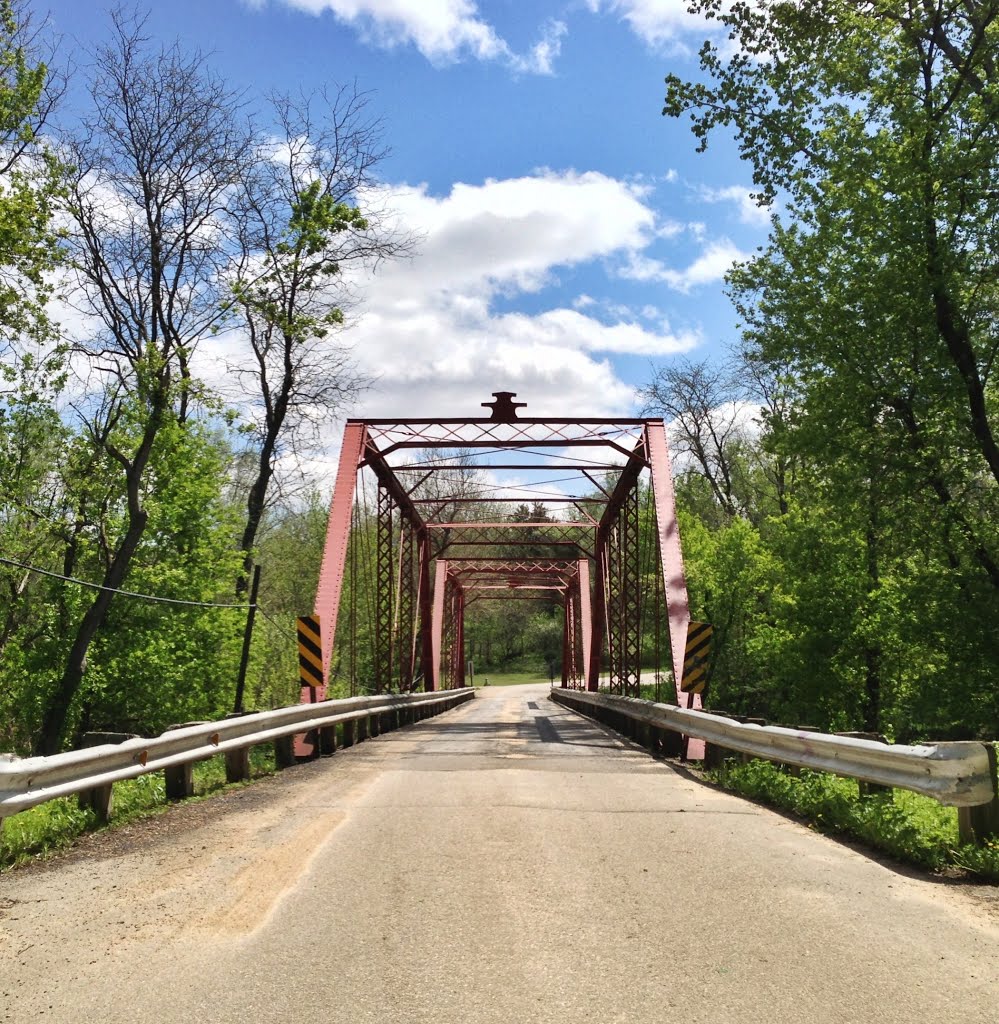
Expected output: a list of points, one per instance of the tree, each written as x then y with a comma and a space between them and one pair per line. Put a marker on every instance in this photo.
873, 122
156, 162
308, 213
703, 406
30, 178
874, 125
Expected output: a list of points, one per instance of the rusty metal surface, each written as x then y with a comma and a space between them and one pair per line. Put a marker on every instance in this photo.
334, 561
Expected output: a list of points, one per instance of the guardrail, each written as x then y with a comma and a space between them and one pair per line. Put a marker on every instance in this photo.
27, 782
958, 774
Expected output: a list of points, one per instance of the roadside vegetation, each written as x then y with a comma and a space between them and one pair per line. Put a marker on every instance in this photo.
55, 825
907, 826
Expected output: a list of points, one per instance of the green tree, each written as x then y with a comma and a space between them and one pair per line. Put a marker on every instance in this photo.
873, 126
30, 179
156, 161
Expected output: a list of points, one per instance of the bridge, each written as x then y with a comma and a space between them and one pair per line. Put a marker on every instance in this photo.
514, 853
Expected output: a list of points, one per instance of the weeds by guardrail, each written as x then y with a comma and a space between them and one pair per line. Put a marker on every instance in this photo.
91, 772
961, 775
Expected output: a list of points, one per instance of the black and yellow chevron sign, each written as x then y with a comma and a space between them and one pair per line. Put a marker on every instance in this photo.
310, 651
695, 657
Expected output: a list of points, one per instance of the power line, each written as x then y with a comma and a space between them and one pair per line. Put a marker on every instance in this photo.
285, 631
124, 593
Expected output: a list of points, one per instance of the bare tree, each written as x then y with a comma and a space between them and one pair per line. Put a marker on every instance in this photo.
701, 404
772, 385
308, 212
157, 160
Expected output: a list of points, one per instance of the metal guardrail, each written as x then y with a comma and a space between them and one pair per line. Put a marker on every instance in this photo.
957, 774
26, 782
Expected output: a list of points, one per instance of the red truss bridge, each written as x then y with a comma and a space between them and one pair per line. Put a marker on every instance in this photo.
439, 544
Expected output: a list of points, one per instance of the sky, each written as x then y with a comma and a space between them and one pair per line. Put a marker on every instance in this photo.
571, 239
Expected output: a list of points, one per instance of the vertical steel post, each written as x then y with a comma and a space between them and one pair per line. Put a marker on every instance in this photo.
568, 639
437, 625
425, 631
599, 623
458, 676
671, 555
631, 596
384, 587
405, 621
585, 618
331, 572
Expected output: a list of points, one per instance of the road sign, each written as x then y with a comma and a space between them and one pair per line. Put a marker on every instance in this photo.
696, 657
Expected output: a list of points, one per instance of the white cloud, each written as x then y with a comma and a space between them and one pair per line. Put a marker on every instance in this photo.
750, 211
659, 23
544, 53
444, 31
712, 265
430, 330
508, 236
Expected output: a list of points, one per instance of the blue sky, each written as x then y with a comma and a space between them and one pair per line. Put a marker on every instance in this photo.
571, 236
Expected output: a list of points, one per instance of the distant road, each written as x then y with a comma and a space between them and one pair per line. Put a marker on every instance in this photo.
508, 862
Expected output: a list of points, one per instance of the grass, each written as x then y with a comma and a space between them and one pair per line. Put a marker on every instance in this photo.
907, 826
509, 678
56, 824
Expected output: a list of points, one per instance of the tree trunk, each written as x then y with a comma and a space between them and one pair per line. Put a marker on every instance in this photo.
54, 722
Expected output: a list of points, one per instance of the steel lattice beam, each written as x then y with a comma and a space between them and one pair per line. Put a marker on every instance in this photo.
384, 592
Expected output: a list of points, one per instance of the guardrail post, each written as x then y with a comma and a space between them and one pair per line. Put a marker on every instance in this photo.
237, 762
866, 790
793, 769
374, 724
360, 730
100, 798
284, 752
180, 778
327, 740
347, 737
237, 765
179, 781
979, 824
746, 758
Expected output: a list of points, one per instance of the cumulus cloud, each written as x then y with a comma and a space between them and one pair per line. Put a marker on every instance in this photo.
508, 235
444, 31
750, 211
430, 329
661, 24
710, 266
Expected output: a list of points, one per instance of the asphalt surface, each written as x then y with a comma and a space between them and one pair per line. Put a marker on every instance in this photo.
506, 862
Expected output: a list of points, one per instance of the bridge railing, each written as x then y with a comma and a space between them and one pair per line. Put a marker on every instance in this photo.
957, 774
27, 782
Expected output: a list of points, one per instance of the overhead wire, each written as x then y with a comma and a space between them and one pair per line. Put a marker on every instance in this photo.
124, 593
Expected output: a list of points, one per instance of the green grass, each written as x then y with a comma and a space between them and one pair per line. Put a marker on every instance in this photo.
56, 824
508, 678
908, 826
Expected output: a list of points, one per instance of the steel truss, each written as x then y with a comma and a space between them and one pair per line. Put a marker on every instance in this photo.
434, 557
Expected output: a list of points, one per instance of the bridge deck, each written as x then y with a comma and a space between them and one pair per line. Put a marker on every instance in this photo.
508, 862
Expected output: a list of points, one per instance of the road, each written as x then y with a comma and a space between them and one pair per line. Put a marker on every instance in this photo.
506, 862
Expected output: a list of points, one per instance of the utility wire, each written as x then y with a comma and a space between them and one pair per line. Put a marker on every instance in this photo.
124, 593
286, 633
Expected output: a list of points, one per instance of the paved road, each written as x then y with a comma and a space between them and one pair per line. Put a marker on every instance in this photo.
508, 862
